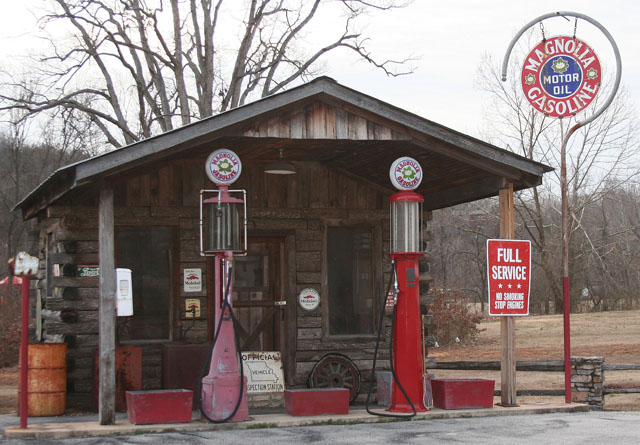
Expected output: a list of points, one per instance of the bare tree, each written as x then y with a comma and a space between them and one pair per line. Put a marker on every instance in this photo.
608, 244
602, 157
25, 165
458, 248
138, 67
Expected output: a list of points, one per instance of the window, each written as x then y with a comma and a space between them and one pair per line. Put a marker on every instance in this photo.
145, 250
350, 270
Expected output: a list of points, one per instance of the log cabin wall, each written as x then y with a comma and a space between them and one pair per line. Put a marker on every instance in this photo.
299, 206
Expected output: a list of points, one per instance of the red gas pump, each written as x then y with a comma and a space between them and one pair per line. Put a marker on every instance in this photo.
223, 393
406, 251
408, 359
406, 353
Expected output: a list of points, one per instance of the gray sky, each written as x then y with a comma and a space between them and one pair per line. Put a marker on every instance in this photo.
449, 38
452, 36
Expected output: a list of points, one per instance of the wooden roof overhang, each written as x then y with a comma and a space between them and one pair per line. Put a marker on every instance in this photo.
321, 121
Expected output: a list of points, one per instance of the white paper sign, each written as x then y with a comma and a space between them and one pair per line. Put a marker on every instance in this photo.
263, 371
193, 280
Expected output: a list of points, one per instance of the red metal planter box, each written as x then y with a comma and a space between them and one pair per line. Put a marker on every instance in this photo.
160, 406
316, 401
462, 393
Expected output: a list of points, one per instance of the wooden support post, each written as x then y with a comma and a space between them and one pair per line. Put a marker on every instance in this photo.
507, 324
107, 321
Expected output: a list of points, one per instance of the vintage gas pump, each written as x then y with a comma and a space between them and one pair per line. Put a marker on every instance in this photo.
223, 394
406, 251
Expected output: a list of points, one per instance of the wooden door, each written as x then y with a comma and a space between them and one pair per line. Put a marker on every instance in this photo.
259, 298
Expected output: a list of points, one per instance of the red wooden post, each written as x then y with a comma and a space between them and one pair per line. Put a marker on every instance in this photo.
24, 352
24, 265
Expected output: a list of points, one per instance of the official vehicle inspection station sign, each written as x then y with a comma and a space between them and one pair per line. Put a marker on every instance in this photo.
561, 76
509, 270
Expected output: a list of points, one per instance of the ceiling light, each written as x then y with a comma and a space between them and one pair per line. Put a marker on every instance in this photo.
280, 167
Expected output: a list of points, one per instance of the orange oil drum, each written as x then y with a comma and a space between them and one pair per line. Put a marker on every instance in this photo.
47, 379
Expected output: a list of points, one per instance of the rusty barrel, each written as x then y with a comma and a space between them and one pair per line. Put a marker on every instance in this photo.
47, 379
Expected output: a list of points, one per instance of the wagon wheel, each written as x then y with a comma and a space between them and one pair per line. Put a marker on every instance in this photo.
336, 371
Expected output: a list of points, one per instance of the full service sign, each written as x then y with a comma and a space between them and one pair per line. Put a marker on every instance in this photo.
509, 270
561, 76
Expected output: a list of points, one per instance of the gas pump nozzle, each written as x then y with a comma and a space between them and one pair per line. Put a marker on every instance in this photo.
396, 289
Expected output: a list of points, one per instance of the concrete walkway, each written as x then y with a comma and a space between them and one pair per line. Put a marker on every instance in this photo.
62, 427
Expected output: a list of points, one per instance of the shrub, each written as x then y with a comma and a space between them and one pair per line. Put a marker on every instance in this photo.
452, 319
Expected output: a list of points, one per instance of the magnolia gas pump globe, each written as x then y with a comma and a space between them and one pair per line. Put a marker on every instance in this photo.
406, 207
222, 212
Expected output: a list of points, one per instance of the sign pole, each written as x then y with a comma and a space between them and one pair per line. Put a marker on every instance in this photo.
507, 324
561, 89
566, 298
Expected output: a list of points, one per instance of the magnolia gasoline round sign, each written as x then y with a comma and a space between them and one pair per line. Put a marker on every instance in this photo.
223, 166
561, 76
405, 173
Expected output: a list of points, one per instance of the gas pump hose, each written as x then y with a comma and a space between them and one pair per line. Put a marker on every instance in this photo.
375, 355
205, 369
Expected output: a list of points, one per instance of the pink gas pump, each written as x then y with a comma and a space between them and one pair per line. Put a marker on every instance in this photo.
223, 393
406, 251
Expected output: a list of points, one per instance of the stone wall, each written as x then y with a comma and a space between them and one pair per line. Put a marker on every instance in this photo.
587, 380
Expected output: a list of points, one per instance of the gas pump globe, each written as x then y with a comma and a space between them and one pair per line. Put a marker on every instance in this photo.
406, 251
223, 234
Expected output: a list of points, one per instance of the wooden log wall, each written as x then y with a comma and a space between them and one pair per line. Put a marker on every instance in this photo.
70, 303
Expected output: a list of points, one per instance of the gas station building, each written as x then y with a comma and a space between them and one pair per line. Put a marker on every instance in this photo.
325, 227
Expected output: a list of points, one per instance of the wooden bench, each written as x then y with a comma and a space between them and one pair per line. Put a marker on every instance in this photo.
316, 401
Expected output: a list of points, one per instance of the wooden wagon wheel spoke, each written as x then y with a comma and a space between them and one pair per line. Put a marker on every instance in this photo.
336, 371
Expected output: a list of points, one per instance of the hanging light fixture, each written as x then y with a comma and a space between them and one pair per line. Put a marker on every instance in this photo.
280, 167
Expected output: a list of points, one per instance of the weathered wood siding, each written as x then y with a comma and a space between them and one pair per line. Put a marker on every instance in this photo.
322, 121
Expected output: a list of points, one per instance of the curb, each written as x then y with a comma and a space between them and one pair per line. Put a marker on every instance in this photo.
123, 427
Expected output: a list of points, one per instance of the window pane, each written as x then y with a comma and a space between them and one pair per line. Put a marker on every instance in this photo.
350, 281
145, 250
248, 271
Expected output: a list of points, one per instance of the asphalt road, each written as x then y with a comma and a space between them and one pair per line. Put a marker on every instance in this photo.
595, 427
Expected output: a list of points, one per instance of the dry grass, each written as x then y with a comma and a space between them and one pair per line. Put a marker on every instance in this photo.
8, 390
613, 335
